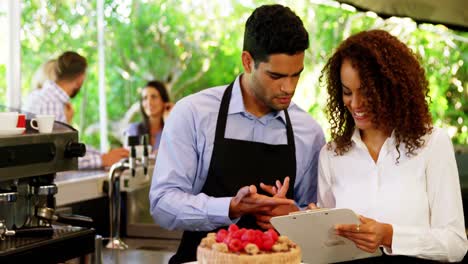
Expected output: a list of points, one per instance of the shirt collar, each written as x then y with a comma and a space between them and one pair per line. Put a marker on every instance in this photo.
52, 87
237, 104
356, 138
388, 145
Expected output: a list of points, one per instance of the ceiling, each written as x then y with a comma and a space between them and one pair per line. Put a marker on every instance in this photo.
451, 13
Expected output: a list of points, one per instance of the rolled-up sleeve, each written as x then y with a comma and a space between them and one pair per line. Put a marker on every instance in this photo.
173, 198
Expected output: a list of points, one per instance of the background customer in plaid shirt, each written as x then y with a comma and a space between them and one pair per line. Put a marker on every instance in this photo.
54, 98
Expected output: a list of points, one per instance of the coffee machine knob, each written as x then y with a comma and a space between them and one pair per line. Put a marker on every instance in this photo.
75, 149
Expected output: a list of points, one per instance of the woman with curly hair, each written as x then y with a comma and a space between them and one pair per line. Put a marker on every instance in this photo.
385, 160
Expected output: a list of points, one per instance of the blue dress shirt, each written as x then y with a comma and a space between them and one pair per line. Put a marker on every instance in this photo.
185, 152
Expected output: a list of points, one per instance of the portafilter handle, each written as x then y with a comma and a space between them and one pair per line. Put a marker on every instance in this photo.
24, 232
4, 230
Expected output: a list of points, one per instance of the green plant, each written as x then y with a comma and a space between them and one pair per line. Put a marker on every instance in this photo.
192, 46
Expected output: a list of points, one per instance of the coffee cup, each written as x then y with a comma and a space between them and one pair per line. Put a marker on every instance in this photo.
43, 123
8, 120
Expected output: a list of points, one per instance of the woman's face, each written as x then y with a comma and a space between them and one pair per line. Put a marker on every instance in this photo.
352, 98
152, 102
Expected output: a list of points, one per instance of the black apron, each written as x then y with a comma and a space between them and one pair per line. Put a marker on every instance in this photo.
238, 163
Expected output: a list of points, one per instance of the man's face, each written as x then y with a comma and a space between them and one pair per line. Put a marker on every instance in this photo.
273, 83
78, 83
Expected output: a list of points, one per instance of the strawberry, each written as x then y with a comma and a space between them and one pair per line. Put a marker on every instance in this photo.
238, 233
221, 235
267, 244
258, 233
249, 236
258, 241
235, 245
232, 228
272, 234
266, 236
228, 239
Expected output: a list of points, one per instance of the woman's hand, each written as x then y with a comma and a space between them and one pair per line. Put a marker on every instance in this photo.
368, 235
69, 112
312, 206
167, 110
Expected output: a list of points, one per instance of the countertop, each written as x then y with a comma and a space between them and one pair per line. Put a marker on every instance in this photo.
82, 185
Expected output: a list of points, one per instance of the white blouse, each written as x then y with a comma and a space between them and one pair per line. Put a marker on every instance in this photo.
420, 196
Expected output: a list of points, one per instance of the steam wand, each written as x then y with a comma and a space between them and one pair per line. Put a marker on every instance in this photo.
114, 189
114, 203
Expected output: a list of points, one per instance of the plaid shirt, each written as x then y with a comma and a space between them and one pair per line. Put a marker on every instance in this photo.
51, 100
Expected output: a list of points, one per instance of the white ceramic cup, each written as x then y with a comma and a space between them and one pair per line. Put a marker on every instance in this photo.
45, 123
8, 120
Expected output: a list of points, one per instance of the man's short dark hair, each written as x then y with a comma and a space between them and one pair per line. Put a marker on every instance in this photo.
274, 29
69, 65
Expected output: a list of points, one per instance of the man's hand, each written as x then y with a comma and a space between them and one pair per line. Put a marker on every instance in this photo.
278, 191
248, 201
368, 235
113, 156
263, 218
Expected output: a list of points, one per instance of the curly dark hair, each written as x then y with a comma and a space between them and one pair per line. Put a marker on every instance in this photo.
273, 29
393, 83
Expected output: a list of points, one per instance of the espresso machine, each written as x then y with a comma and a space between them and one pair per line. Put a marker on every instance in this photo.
30, 227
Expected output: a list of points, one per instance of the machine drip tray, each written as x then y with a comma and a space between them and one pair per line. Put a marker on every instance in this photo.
66, 243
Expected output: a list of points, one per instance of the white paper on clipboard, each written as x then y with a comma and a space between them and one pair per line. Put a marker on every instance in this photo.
314, 232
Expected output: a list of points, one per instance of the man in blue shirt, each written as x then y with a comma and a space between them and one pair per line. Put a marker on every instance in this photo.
218, 145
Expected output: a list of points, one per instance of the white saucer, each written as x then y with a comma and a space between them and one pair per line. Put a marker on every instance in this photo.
9, 132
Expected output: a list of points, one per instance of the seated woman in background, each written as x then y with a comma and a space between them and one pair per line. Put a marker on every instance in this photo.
155, 105
385, 160
46, 71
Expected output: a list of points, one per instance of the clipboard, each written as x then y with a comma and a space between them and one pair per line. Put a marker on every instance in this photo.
313, 231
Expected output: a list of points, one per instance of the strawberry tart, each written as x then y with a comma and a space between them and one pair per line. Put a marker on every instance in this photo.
240, 245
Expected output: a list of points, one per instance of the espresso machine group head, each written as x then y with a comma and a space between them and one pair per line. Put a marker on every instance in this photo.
28, 165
